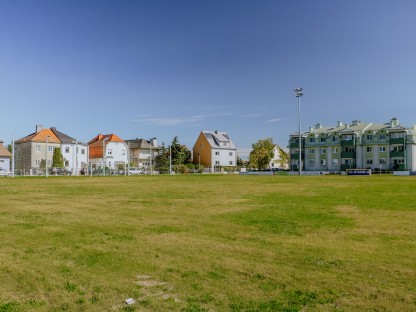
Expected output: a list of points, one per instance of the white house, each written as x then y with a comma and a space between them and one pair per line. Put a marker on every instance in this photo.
5, 157
75, 153
108, 150
279, 160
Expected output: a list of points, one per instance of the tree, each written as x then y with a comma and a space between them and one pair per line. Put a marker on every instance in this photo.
162, 161
262, 153
180, 154
58, 159
10, 148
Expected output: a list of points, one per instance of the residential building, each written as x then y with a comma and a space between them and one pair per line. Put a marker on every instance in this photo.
387, 146
214, 149
108, 150
75, 153
5, 158
33, 150
279, 160
143, 152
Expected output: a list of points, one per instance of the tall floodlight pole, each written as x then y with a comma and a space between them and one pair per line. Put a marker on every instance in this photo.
298, 94
170, 159
46, 156
13, 156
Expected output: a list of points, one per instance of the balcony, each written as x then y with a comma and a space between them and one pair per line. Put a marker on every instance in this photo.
345, 167
347, 154
347, 142
397, 153
396, 141
294, 156
295, 144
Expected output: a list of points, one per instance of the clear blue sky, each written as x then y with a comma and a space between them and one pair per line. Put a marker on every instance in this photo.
173, 68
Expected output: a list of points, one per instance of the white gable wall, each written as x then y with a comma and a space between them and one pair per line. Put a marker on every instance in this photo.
116, 153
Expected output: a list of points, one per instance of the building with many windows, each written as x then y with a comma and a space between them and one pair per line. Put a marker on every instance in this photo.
214, 149
388, 146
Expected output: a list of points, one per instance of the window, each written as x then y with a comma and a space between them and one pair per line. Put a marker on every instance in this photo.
82, 151
323, 139
382, 161
225, 144
37, 163
217, 162
369, 161
230, 163
382, 149
334, 139
66, 163
49, 163
347, 137
382, 136
231, 153
334, 162
217, 153
110, 152
50, 148
369, 149
323, 151
67, 149
123, 152
312, 162
323, 162
369, 137
37, 148
311, 151
311, 140
335, 150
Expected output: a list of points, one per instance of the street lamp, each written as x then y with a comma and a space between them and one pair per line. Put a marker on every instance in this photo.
151, 142
298, 94
46, 156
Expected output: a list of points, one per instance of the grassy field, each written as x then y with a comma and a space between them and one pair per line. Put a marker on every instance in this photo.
208, 243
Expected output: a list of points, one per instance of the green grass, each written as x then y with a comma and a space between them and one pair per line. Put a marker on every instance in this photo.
208, 243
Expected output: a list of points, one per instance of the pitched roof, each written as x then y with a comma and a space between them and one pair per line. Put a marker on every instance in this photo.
3, 151
96, 149
40, 137
139, 143
215, 138
63, 137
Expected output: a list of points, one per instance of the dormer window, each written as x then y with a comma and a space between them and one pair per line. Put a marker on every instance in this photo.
311, 140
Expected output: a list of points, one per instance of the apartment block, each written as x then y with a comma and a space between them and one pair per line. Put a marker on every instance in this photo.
388, 146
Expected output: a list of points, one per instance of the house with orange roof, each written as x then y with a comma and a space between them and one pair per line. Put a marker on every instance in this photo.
107, 150
34, 149
5, 157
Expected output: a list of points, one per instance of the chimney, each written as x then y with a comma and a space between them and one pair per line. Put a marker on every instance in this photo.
394, 122
38, 128
356, 122
339, 124
318, 126
346, 126
311, 130
153, 142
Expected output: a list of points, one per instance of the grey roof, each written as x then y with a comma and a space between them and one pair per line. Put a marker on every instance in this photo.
65, 139
215, 138
140, 143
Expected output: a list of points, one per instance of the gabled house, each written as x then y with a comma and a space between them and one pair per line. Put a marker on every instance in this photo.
143, 152
5, 157
214, 149
75, 153
280, 159
108, 150
31, 151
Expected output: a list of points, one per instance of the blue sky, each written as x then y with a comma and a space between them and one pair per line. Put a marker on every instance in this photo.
173, 68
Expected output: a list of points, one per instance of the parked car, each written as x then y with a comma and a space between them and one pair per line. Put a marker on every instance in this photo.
135, 170
5, 173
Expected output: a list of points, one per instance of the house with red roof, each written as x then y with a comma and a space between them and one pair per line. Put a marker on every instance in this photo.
5, 157
107, 150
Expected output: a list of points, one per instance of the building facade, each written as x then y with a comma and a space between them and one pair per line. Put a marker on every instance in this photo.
142, 153
5, 157
214, 149
107, 150
388, 146
279, 160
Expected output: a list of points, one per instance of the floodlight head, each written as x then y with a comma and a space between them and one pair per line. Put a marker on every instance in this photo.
298, 89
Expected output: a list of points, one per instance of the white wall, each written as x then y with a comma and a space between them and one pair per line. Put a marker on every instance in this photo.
4, 163
223, 158
74, 160
115, 153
